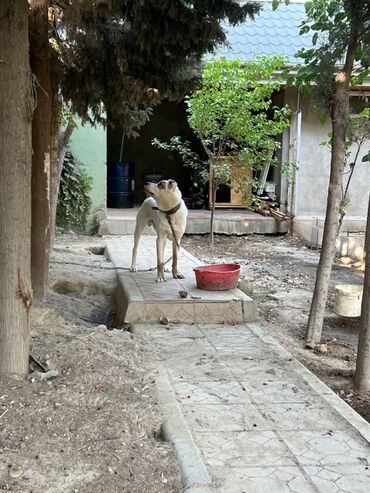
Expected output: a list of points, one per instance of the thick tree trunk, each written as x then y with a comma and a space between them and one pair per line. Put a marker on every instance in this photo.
16, 107
362, 375
41, 143
339, 117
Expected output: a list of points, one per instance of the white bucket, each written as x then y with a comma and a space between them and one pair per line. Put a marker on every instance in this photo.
348, 299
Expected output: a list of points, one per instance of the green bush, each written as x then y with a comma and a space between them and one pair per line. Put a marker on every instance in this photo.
74, 202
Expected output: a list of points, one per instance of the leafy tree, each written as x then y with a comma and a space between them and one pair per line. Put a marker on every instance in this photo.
339, 58
132, 55
232, 115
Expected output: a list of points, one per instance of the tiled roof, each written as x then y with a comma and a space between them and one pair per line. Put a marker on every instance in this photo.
271, 33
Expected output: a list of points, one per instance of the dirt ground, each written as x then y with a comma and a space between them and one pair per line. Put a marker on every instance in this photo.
279, 273
95, 427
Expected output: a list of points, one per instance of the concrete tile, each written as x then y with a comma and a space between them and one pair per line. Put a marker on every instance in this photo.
226, 330
344, 478
327, 448
211, 312
194, 362
269, 370
206, 392
302, 416
223, 417
246, 448
263, 480
169, 347
231, 339
292, 391
212, 371
131, 287
173, 311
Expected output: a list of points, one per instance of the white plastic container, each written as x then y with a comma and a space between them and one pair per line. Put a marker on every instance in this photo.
348, 299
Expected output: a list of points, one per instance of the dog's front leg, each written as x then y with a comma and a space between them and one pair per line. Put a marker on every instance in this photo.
161, 243
175, 255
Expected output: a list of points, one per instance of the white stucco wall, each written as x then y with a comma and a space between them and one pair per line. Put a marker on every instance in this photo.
313, 174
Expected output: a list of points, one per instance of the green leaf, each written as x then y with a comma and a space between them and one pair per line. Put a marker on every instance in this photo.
366, 158
304, 29
308, 6
314, 38
275, 4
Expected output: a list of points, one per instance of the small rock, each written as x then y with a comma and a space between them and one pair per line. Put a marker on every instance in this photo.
38, 376
345, 260
15, 472
183, 294
321, 348
102, 327
164, 320
310, 345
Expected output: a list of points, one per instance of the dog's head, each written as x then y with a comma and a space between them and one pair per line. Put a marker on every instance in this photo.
166, 193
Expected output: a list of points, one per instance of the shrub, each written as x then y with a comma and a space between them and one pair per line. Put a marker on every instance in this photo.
74, 202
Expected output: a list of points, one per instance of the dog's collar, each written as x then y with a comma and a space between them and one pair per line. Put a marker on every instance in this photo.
170, 212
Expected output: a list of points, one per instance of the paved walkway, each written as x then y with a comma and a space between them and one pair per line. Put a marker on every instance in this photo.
243, 414
246, 417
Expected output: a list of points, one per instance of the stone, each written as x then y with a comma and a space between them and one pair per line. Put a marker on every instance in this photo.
15, 472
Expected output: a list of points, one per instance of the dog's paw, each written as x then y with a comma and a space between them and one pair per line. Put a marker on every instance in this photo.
161, 279
177, 275
133, 269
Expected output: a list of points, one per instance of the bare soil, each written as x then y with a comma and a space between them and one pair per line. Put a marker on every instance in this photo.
95, 427
279, 273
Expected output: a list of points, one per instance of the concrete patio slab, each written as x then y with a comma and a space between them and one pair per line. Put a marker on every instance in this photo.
229, 221
258, 422
141, 299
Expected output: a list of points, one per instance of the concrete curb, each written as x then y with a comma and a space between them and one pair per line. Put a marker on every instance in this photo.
194, 475
341, 407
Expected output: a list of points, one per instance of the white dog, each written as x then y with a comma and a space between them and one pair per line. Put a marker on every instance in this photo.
166, 211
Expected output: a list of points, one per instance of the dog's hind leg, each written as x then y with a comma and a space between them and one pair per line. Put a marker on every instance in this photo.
161, 243
139, 228
175, 254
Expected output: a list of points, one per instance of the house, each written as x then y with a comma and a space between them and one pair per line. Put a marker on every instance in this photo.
272, 32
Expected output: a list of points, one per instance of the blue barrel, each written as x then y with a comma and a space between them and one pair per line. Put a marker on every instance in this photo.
120, 185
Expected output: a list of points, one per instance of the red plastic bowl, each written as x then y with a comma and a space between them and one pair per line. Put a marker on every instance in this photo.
217, 277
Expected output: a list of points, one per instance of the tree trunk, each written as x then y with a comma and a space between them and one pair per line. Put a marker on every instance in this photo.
362, 375
54, 167
317, 312
214, 187
16, 107
339, 117
60, 142
41, 143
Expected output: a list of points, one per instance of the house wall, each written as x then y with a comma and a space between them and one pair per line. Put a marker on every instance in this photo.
313, 175
89, 145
